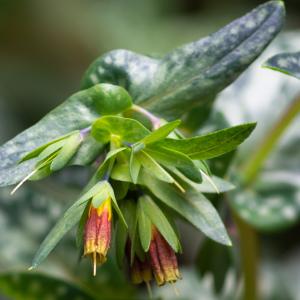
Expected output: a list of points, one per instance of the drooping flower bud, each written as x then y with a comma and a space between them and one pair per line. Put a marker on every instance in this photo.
140, 271
97, 235
163, 259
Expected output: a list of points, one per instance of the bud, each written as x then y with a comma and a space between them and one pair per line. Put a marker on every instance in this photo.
140, 271
97, 234
163, 259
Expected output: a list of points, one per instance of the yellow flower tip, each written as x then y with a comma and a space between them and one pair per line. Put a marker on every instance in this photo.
163, 260
97, 234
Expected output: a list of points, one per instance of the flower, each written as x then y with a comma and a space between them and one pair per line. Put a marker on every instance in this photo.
97, 234
140, 271
163, 259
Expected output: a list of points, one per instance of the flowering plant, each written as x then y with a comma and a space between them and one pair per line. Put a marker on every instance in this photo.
128, 124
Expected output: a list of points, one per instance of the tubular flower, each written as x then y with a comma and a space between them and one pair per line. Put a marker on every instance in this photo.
140, 271
163, 259
97, 234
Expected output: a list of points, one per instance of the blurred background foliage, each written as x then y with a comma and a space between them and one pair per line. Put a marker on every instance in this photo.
45, 48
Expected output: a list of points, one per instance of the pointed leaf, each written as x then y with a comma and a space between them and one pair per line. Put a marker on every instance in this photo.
161, 132
192, 205
134, 167
157, 217
153, 167
67, 152
145, 228
210, 145
168, 157
76, 113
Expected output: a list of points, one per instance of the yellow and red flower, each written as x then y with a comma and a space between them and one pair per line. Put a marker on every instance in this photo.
163, 259
97, 234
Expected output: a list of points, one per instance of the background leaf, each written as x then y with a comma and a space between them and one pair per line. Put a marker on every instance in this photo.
287, 63
28, 286
191, 75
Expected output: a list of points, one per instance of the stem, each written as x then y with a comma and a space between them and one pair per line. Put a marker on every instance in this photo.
156, 122
249, 251
255, 162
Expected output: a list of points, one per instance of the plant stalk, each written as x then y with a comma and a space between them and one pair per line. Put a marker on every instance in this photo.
256, 161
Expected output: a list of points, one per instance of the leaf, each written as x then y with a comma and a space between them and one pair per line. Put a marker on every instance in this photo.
177, 159
67, 222
287, 63
110, 99
270, 207
192, 205
130, 215
134, 167
153, 167
193, 74
28, 286
159, 220
128, 130
160, 133
271, 202
206, 186
121, 239
145, 228
212, 144
216, 260
67, 152
115, 203
76, 113
36, 152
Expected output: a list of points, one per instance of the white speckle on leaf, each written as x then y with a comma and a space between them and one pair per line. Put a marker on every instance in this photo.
282, 63
94, 78
108, 60
289, 213
264, 211
250, 24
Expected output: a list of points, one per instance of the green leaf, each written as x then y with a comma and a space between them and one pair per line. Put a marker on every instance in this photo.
68, 150
36, 152
160, 133
287, 63
216, 260
78, 112
128, 130
115, 203
121, 239
145, 228
32, 286
192, 205
134, 167
103, 167
270, 206
153, 167
110, 99
130, 214
67, 222
160, 221
168, 157
212, 144
193, 74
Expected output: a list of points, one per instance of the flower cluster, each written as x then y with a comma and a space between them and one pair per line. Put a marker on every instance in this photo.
145, 175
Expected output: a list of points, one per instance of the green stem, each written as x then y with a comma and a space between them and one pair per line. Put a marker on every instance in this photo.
255, 162
249, 258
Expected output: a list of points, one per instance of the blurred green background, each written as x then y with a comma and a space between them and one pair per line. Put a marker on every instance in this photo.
45, 48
